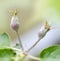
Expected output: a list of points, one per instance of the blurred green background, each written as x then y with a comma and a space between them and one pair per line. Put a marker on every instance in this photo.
31, 12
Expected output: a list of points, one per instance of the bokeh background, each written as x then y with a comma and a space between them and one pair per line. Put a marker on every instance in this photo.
30, 13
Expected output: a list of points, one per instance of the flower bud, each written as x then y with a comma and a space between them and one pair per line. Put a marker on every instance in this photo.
14, 23
44, 29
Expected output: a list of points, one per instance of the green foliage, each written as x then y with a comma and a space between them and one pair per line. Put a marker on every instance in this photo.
4, 40
7, 54
51, 54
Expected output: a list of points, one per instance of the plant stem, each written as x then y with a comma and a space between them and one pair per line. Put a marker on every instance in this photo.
20, 42
34, 58
30, 56
25, 54
34, 45
37, 40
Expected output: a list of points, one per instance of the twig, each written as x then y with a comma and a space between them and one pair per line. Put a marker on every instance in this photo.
34, 58
44, 29
33, 45
20, 42
25, 54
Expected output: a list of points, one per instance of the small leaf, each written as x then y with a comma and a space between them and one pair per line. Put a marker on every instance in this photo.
10, 54
4, 40
7, 54
51, 54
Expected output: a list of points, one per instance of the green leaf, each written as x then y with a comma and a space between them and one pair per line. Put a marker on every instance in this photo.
7, 54
4, 40
10, 54
51, 54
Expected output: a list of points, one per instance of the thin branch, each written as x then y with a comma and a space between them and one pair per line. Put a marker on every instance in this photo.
25, 54
34, 58
20, 42
34, 45
37, 41
30, 56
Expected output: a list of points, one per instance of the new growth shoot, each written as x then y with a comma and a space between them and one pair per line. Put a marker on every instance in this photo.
15, 26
